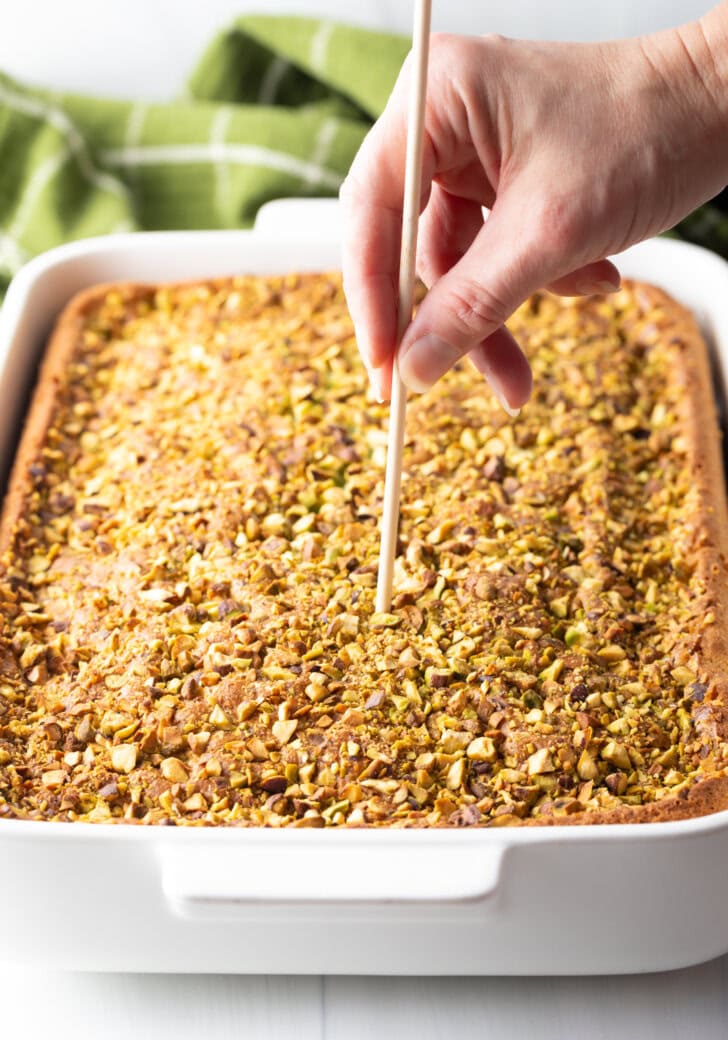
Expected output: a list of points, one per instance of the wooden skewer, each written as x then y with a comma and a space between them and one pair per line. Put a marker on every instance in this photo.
410, 216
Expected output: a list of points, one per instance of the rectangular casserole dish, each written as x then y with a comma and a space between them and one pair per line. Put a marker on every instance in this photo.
607, 898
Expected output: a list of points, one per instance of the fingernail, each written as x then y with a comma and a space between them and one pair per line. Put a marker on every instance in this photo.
425, 361
589, 288
513, 412
376, 381
378, 387
494, 383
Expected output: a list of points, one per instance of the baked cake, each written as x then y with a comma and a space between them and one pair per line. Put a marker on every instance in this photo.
189, 556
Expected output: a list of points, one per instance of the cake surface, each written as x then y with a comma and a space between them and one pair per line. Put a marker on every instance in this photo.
189, 552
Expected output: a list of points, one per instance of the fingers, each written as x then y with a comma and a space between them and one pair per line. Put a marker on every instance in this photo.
450, 227
371, 199
478, 273
447, 229
500, 359
504, 265
371, 236
600, 277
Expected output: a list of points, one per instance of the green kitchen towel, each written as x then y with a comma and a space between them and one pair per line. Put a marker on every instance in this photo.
277, 106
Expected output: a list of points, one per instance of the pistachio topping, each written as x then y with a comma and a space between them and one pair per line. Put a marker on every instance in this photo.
188, 627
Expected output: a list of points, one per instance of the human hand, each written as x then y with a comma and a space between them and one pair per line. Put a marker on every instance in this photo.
578, 150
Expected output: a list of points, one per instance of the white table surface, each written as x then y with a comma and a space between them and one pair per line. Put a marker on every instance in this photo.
674, 1006
154, 45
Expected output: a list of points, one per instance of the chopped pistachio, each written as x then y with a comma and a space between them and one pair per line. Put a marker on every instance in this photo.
284, 730
174, 770
544, 654
587, 767
219, 718
53, 777
616, 754
540, 762
123, 758
385, 620
455, 774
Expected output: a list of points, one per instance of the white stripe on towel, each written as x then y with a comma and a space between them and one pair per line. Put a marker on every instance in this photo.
239, 154
271, 81
77, 146
320, 46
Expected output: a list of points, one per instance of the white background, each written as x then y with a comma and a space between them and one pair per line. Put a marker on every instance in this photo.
144, 48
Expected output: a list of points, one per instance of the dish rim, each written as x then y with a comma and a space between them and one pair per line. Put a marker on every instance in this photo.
278, 228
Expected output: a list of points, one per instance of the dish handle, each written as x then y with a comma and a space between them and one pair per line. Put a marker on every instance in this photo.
313, 220
199, 882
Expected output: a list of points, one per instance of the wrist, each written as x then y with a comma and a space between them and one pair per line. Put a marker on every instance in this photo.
692, 62
705, 44
684, 76
710, 40
713, 27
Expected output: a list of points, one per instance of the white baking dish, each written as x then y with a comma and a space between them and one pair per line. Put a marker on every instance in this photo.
506, 901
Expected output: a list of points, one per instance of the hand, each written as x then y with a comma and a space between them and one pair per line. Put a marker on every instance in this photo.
578, 150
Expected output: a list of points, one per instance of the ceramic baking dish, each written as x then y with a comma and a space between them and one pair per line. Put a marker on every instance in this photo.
604, 898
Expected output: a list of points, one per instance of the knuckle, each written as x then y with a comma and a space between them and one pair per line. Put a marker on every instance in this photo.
348, 189
559, 224
475, 309
442, 43
401, 84
353, 189
448, 52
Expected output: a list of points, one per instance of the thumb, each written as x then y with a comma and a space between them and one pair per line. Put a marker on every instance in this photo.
464, 311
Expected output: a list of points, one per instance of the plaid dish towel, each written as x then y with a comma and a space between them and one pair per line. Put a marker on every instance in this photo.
277, 106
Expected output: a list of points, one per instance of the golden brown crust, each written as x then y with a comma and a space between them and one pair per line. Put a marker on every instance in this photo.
63, 343
702, 429
175, 531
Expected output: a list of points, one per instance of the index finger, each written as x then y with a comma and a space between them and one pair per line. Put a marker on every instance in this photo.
371, 198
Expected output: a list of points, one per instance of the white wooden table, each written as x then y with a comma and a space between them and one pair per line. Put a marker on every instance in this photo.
72, 51
674, 1006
